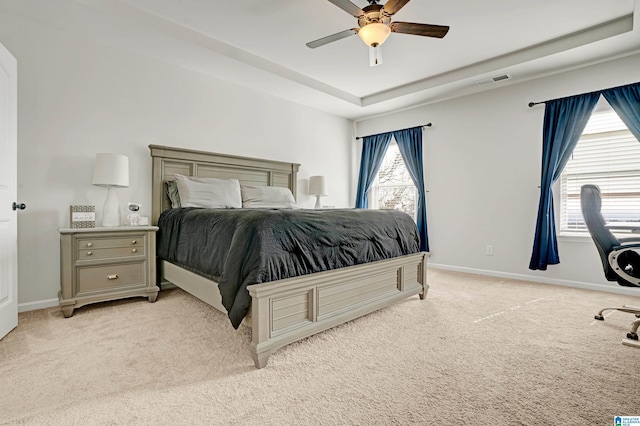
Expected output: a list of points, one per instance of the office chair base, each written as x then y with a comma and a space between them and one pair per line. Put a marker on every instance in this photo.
631, 343
625, 308
632, 335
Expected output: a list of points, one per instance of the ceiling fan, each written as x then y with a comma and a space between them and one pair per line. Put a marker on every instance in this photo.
374, 26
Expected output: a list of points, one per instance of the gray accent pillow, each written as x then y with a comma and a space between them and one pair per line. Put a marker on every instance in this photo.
172, 193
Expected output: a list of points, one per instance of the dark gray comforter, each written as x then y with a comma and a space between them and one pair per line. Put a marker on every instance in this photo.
240, 247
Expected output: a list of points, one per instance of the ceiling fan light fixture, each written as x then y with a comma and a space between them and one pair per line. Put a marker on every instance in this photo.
374, 34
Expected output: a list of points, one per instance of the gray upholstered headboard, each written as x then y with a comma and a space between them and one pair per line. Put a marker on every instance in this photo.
168, 162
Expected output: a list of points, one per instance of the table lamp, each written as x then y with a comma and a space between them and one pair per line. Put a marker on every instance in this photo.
111, 171
318, 187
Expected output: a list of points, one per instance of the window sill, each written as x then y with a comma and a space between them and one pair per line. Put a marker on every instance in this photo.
579, 237
575, 237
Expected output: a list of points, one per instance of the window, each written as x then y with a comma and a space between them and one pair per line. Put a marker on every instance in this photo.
607, 155
393, 187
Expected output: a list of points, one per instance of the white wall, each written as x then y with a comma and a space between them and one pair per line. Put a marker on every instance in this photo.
482, 170
77, 98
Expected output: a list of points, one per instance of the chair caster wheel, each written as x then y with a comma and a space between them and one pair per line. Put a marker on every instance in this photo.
632, 336
599, 317
637, 315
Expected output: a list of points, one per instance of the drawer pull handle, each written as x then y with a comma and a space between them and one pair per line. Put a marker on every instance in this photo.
134, 250
112, 277
89, 244
134, 242
89, 253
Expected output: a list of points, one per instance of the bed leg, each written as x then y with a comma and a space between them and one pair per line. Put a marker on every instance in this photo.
422, 277
260, 359
423, 293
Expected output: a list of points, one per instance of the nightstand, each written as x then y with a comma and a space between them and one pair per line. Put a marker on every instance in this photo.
100, 264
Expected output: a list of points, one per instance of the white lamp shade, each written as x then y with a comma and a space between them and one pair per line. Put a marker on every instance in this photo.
111, 170
317, 186
374, 34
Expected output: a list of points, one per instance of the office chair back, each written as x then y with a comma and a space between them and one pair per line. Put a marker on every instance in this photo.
627, 260
605, 241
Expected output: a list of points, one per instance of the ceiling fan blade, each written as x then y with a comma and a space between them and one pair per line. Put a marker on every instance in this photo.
333, 37
393, 6
348, 7
438, 31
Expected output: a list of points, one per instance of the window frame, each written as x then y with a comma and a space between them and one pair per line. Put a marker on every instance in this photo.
374, 192
615, 130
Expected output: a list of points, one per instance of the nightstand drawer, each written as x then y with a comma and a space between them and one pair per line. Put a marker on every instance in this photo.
111, 276
102, 243
105, 253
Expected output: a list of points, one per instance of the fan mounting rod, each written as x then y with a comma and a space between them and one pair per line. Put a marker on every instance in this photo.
374, 14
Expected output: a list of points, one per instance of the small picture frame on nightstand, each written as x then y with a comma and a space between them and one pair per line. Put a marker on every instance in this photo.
83, 216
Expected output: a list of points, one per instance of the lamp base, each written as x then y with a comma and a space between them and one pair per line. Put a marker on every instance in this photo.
111, 210
318, 203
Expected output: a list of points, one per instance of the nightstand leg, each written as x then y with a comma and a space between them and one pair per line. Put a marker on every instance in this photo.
260, 360
67, 311
153, 296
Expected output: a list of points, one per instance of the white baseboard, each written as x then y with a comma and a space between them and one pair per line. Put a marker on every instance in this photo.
166, 285
34, 306
52, 303
627, 291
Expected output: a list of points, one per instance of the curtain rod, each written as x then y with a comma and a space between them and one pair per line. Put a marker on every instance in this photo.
424, 125
532, 104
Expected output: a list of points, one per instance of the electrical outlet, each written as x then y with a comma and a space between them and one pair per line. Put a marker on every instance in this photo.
489, 250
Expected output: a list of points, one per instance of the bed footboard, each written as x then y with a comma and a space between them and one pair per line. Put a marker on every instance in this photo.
289, 310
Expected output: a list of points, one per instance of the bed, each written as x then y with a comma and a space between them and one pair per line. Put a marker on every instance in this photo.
290, 309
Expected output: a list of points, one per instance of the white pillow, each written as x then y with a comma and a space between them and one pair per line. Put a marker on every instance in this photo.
209, 192
267, 197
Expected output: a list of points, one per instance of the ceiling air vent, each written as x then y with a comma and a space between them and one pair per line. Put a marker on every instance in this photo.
493, 79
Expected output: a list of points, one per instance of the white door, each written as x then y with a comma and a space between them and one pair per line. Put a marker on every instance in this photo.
8, 192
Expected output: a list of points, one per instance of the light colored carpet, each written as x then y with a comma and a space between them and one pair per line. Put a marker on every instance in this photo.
476, 351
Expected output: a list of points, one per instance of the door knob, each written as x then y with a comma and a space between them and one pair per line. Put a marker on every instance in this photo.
20, 206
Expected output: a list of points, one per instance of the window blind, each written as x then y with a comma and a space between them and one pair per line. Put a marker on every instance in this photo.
607, 155
393, 187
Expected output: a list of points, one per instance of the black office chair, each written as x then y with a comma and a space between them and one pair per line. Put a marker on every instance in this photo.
620, 256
